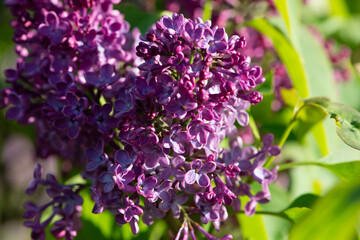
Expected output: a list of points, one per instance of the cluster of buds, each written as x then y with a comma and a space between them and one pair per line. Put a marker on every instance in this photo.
143, 117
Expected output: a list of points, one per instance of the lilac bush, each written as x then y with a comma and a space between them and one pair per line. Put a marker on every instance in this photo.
142, 116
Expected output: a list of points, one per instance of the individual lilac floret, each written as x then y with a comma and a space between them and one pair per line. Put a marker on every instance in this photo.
198, 173
37, 179
17, 112
172, 201
54, 28
70, 124
146, 186
124, 104
176, 139
107, 76
123, 158
100, 116
151, 212
75, 108
123, 179
96, 155
181, 106
214, 41
172, 26
175, 169
129, 214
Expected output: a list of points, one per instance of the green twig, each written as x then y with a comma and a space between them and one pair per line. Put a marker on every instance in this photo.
276, 214
286, 166
254, 129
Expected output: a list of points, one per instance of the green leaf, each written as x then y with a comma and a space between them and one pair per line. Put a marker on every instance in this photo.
346, 118
300, 207
333, 217
297, 213
318, 131
287, 53
289, 10
346, 171
305, 200
290, 96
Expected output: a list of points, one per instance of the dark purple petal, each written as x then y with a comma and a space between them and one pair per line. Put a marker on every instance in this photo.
219, 34
91, 166
150, 182
182, 198
203, 180
167, 21
106, 71
73, 131
164, 206
250, 208
13, 113
213, 215
123, 157
208, 167
92, 78
268, 140
52, 19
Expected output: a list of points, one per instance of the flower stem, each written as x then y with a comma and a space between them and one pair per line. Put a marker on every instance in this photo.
276, 214
286, 166
191, 60
254, 129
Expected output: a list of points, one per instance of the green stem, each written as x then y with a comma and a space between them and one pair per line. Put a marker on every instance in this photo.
282, 140
276, 214
254, 129
286, 166
191, 60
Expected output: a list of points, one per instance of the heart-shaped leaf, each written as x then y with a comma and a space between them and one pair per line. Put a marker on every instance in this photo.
347, 119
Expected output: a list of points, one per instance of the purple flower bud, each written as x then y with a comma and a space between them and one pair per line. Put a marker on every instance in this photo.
255, 97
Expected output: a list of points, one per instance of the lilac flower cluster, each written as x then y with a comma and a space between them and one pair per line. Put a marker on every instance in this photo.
150, 118
68, 58
193, 85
